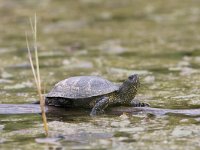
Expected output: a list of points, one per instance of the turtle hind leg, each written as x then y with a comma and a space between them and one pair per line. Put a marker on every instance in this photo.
52, 101
136, 103
100, 106
58, 102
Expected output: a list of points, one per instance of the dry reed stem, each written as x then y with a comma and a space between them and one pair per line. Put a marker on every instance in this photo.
36, 73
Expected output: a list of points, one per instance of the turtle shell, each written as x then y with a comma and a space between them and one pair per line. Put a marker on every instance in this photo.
82, 87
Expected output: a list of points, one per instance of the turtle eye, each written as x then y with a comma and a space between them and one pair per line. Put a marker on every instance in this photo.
132, 77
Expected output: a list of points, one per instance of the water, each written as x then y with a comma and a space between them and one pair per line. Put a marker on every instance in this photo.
159, 40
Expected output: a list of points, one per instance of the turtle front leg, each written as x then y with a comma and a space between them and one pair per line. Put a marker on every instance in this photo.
100, 106
136, 103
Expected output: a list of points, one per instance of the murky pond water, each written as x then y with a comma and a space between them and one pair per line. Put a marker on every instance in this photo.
159, 40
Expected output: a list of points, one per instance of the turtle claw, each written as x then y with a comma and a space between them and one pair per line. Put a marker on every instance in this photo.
144, 105
139, 104
96, 112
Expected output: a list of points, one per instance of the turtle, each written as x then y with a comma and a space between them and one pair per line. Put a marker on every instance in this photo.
94, 92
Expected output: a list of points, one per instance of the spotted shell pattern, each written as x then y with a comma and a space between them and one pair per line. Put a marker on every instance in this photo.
82, 87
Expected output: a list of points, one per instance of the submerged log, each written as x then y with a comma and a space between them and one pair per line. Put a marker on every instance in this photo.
19, 109
154, 111
8, 109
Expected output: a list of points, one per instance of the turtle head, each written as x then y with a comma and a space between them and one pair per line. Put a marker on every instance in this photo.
128, 89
